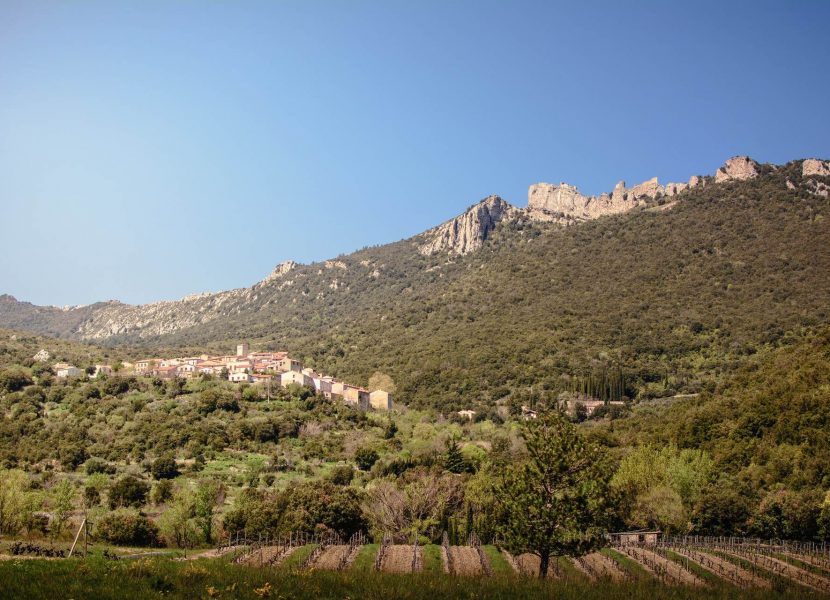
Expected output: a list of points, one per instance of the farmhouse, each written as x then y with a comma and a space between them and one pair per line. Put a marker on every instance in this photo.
66, 370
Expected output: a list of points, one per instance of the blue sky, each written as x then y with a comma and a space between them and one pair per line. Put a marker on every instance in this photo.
153, 149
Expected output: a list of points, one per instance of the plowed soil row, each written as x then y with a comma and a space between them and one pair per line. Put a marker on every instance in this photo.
331, 557
465, 560
656, 564
725, 569
601, 566
398, 559
785, 569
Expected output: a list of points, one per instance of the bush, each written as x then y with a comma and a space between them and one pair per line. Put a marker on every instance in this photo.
342, 475
13, 380
364, 458
164, 467
127, 528
128, 491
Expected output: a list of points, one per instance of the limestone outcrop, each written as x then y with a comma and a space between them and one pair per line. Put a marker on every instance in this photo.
564, 204
812, 166
467, 232
738, 168
280, 270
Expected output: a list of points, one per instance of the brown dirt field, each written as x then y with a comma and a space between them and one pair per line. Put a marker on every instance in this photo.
528, 564
465, 560
330, 558
397, 559
744, 578
602, 566
264, 556
673, 571
785, 569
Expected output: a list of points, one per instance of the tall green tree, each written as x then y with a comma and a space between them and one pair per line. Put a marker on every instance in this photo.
554, 503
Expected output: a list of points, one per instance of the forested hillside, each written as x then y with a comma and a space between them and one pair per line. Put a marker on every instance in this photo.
671, 295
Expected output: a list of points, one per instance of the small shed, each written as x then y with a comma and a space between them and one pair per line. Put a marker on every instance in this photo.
640, 536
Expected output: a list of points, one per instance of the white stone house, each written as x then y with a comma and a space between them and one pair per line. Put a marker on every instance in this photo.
380, 400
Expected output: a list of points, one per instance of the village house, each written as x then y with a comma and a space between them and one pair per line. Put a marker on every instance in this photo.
240, 377
289, 364
146, 365
63, 370
323, 385
186, 370
356, 396
467, 414
290, 377
380, 400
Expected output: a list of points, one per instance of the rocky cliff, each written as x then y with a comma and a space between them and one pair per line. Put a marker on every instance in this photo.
467, 232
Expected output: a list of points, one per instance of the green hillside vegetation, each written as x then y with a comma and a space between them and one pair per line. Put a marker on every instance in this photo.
670, 299
184, 463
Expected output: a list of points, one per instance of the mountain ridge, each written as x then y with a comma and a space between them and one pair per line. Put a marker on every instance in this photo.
438, 247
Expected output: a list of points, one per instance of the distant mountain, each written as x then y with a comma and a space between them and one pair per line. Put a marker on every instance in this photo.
671, 282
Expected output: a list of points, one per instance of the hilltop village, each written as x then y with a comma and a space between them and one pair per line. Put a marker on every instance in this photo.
266, 368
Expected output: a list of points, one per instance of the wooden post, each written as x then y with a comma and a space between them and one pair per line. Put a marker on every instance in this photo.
77, 535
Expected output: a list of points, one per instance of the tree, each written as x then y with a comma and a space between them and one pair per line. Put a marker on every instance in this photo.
63, 497
381, 381
128, 491
14, 492
178, 522
14, 379
365, 458
164, 467
207, 496
128, 528
453, 459
554, 503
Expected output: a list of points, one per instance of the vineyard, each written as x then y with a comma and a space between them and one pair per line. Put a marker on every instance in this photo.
690, 562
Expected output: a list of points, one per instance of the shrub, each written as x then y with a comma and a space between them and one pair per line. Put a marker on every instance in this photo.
127, 528
164, 467
128, 491
364, 458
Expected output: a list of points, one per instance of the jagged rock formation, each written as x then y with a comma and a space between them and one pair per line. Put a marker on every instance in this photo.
467, 232
280, 270
812, 166
564, 203
737, 168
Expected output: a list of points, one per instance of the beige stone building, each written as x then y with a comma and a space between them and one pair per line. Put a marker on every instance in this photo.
380, 400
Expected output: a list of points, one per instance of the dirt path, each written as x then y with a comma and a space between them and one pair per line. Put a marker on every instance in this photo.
466, 561
785, 569
600, 566
331, 557
398, 559
725, 569
658, 565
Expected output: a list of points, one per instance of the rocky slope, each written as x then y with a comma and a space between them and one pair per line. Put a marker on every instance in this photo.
377, 273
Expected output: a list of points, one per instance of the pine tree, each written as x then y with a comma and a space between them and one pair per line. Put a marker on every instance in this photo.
453, 460
554, 504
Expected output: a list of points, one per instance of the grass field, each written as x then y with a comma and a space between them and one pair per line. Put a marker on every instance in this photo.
95, 578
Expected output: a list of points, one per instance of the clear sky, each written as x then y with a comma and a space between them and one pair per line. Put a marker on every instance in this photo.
153, 149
